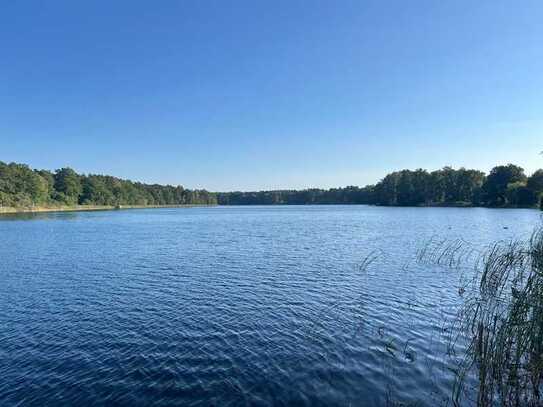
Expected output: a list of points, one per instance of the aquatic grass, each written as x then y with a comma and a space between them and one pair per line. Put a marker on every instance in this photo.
500, 319
396, 352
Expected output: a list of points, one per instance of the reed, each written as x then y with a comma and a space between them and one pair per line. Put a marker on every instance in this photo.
500, 319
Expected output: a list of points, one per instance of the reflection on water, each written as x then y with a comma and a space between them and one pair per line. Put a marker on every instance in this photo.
67, 215
231, 305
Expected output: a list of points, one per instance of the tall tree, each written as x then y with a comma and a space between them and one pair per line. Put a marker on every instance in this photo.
535, 182
68, 185
497, 182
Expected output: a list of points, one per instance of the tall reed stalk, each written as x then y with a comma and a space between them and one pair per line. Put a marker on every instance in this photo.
501, 320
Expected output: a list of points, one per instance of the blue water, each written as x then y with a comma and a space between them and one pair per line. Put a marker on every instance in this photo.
232, 305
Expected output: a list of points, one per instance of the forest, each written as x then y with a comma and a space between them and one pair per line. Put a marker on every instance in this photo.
505, 186
21, 187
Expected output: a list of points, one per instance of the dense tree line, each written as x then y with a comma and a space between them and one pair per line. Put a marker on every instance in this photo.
347, 195
20, 186
505, 186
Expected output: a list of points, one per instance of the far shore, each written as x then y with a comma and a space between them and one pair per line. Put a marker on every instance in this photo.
5, 210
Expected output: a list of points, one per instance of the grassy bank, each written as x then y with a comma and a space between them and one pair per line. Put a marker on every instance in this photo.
84, 208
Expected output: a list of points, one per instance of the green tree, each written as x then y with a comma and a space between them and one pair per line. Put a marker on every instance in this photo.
68, 186
518, 194
535, 182
96, 192
498, 181
50, 182
468, 184
21, 186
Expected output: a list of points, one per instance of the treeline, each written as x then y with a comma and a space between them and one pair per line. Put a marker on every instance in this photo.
347, 195
21, 186
505, 186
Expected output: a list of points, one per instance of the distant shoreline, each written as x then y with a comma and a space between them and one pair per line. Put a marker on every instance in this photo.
23, 189
96, 208
87, 208
435, 205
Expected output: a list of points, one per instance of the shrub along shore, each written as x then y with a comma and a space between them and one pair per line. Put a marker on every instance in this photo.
23, 189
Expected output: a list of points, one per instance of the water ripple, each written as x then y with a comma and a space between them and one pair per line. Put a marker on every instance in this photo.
231, 306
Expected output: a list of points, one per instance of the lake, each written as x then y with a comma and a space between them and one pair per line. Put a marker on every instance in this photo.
233, 305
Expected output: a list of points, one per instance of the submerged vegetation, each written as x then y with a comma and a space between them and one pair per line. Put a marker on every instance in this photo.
21, 187
501, 320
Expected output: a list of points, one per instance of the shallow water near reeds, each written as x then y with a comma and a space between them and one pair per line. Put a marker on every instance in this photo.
233, 305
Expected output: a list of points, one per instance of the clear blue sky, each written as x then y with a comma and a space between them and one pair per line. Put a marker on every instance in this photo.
270, 94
